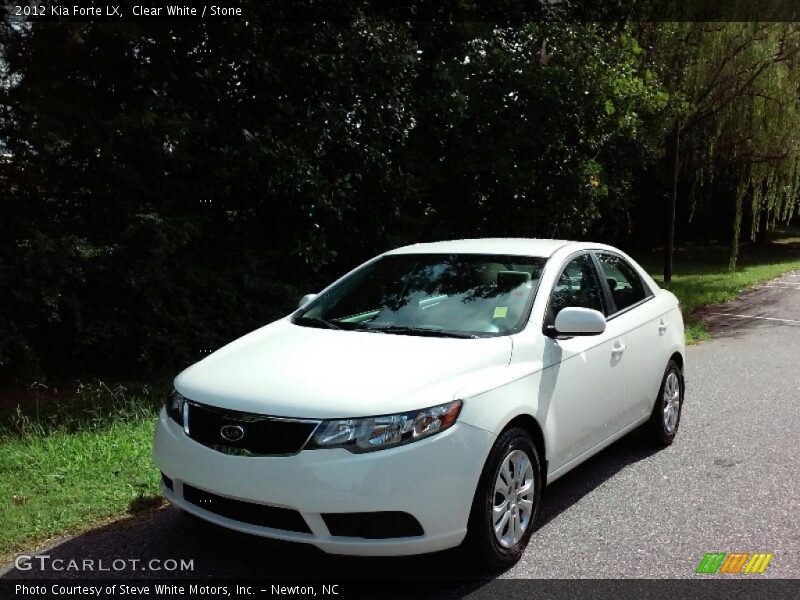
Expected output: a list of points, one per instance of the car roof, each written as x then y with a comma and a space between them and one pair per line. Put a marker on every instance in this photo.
512, 246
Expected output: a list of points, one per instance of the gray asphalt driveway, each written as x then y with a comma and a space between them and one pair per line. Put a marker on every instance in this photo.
731, 482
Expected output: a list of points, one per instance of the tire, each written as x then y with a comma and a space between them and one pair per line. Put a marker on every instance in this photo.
660, 430
495, 552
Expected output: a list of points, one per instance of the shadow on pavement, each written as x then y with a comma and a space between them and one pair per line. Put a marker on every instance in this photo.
218, 552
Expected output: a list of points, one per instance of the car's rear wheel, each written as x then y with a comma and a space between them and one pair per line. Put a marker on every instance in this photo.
666, 415
506, 501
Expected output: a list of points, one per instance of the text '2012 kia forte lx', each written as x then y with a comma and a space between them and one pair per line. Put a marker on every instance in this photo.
425, 399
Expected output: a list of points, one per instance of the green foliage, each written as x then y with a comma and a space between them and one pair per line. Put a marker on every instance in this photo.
92, 406
166, 189
516, 143
735, 90
180, 196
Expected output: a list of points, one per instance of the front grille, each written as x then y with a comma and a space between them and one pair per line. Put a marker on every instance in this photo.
247, 434
373, 525
246, 512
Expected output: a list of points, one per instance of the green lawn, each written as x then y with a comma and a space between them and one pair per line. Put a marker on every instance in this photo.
69, 468
701, 275
77, 460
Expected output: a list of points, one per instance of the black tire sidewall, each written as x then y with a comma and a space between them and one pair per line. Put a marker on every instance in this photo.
657, 426
481, 532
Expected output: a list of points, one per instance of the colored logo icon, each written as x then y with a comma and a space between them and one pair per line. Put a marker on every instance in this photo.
734, 562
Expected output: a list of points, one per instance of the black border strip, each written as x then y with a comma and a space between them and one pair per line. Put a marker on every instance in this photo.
421, 11
752, 587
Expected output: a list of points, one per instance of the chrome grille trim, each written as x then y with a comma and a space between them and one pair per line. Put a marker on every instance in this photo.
244, 417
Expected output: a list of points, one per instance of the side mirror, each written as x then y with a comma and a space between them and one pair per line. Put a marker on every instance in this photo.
580, 321
305, 300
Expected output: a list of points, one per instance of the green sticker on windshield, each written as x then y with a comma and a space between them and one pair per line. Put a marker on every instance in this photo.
500, 312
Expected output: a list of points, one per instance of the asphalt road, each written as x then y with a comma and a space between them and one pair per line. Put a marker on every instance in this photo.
730, 482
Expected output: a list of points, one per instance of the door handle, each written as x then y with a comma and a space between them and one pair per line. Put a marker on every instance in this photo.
662, 326
618, 348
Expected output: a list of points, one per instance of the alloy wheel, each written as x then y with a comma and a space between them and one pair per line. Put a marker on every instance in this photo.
513, 498
672, 402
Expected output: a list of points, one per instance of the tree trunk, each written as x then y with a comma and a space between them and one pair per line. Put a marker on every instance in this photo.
669, 243
763, 217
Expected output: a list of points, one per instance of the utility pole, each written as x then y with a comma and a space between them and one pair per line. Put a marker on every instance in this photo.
669, 245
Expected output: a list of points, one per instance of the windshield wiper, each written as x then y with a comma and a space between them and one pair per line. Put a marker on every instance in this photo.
422, 331
315, 322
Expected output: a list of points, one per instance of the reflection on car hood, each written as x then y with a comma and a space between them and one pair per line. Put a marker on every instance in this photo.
289, 370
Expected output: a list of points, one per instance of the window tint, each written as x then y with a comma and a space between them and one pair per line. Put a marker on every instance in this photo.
625, 284
576, 286
468, 293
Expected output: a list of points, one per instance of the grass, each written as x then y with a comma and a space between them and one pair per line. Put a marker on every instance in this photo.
71, 460
701, 275
74, 463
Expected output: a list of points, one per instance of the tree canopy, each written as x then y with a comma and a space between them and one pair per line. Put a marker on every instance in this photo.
735, 88
167, 188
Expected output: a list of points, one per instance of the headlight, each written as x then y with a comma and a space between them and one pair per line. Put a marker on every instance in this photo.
174, 405
387, 431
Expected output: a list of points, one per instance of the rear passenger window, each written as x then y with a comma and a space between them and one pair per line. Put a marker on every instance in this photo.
626, 286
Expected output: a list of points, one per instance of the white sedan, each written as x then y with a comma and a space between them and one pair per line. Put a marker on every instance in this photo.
425, 399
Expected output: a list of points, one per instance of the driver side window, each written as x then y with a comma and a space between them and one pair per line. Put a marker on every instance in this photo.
577, 286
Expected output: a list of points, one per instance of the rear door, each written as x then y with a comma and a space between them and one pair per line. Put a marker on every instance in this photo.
585, 373
637, 317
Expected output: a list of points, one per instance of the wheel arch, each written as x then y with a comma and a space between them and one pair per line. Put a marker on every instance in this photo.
528, 423
678, 358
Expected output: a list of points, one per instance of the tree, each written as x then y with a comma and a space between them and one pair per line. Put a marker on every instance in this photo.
523, 128
735, 119
169, 188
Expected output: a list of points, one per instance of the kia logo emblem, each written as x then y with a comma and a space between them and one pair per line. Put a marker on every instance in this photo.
232, 433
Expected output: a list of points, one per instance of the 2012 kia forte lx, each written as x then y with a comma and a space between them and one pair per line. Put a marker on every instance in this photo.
426, 398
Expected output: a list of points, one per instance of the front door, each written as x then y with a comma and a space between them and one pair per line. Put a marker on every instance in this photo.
585, 374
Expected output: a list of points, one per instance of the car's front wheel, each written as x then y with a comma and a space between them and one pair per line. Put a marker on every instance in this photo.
506, 501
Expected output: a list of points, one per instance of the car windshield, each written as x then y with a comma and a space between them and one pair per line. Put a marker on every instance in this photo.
454, 295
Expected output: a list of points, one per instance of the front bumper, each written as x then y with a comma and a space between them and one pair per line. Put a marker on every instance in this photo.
433, 480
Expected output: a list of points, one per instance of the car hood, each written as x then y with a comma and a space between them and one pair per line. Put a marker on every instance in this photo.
288, 370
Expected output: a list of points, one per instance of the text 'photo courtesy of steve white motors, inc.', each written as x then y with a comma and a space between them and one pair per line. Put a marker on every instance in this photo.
191, 590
